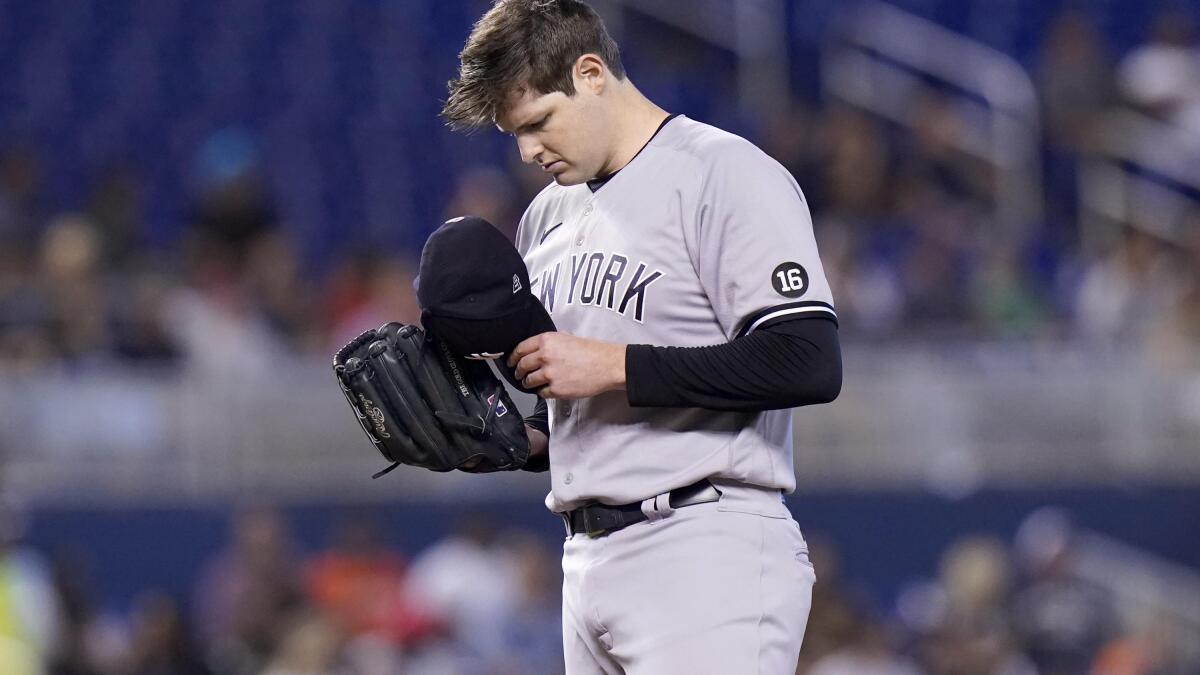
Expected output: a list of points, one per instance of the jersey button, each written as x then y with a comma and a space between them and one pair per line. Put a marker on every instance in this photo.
588, 211
568, 478
579, 240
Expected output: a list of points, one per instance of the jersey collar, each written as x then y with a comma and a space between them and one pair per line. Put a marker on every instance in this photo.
597, 183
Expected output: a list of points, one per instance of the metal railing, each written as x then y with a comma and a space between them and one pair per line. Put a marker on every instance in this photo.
1139, 175
880, 59
1023, 416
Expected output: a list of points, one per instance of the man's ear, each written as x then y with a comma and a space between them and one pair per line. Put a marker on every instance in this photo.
590, 74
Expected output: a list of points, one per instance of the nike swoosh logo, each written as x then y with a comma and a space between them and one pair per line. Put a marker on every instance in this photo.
547, 233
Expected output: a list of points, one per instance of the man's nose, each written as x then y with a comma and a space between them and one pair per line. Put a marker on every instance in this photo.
530, 149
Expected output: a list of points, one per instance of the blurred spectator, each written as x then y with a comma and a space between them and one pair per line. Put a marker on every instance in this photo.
160, 642
938, 150
1074, 80
30, 619
245, 591
1061, 619
1157, 644
281, 292
243, 303
115, 206
939, 198
533, 635
869, 650
1175, 336
140, 316
310, 644
21, 198
1005, 301
73, 289
489, 193
968, 630
24, 317
233, 207
360, 585
933, 249
1160, 645
92, 643
1075, 86
865, 280
1124, 293
213, 318
855, 161
1162, 77
471, 581
366, 292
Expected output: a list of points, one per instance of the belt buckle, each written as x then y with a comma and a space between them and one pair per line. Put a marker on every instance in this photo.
593, 524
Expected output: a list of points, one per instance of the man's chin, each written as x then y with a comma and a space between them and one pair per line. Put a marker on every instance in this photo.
565, 179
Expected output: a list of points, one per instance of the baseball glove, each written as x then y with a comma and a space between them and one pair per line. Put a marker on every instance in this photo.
422, 406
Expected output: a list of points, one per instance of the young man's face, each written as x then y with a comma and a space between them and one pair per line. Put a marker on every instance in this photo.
563, 134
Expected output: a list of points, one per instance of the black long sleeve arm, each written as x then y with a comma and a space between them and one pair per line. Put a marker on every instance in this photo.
539, 419
787, 364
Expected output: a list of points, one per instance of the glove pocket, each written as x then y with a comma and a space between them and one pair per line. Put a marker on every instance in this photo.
392, 378
374, 413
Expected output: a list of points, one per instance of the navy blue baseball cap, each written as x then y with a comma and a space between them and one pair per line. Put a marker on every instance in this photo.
473, 288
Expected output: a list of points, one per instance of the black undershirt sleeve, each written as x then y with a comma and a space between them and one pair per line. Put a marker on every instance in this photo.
787, 364
539, 419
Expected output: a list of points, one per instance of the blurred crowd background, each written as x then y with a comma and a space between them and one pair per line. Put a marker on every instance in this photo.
200, 201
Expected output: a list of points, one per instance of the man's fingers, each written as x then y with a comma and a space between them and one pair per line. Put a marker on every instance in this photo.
535, 380
527, 346
528, 364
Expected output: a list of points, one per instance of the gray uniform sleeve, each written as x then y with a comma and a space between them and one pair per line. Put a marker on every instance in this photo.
753, 244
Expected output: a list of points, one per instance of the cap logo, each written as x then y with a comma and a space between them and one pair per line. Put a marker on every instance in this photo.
516, 283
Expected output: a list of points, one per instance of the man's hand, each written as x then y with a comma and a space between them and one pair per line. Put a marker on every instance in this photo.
560, 365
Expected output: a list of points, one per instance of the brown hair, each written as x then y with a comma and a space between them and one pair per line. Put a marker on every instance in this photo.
524, 44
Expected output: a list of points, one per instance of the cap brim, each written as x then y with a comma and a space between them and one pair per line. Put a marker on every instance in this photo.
539, 322
492, 338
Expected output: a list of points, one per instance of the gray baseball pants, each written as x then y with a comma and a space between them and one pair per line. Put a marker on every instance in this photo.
721, 588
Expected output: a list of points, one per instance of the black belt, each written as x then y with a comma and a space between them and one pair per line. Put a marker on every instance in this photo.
600, 519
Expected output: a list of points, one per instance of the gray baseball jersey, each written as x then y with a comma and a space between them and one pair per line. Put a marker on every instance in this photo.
700, 239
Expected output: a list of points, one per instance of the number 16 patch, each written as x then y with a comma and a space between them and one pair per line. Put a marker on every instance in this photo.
790, 280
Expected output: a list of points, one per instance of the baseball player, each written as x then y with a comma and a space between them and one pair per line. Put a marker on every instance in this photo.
679, 266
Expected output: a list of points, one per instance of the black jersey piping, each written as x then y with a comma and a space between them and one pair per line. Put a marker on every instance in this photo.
790, 310
597, 183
